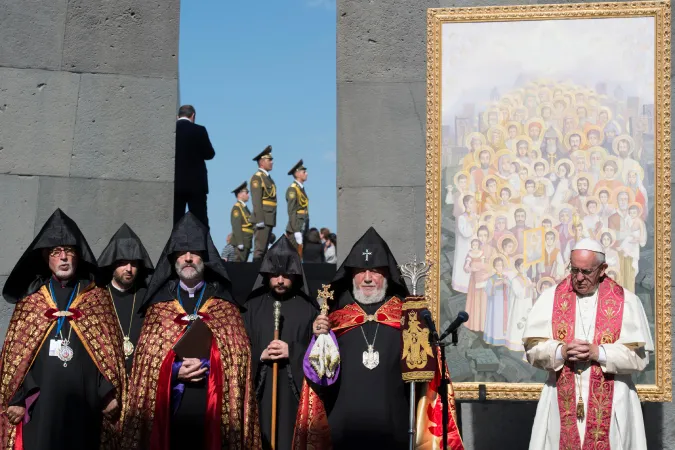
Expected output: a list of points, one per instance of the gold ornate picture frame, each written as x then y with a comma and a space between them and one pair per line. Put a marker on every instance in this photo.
565, 113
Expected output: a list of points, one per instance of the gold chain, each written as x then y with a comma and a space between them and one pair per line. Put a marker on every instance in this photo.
133, 308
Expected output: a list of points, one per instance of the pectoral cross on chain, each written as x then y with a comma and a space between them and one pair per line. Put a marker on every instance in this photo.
367, 253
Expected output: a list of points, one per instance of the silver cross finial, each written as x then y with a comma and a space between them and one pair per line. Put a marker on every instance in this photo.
366, 254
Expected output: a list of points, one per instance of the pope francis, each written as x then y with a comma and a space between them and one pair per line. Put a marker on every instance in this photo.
590, 335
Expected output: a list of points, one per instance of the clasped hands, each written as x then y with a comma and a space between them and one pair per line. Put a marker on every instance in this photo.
191, 371
580, 351
275, 351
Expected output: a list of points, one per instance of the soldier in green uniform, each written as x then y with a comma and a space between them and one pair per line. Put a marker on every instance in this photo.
242, 228
298, 206
264, 193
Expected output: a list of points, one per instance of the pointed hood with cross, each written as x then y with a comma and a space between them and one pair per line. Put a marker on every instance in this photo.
369, 252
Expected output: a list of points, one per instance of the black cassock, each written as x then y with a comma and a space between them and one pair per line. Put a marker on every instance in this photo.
297, 316
367, 408
68, 412
124, 305
188, 423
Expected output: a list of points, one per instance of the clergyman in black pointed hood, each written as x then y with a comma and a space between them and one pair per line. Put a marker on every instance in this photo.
367, 406
63, 349
187, 393
281, 279
125, 268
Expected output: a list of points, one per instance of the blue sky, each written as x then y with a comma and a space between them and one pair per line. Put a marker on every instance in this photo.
260, 74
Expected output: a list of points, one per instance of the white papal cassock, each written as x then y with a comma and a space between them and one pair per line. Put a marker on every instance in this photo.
627, 356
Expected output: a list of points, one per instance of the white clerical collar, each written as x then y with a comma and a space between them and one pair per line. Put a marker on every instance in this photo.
264, 171
118, 287
299, 184
191, 291
185, 118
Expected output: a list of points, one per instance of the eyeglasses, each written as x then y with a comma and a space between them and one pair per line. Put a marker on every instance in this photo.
584, 272
56, 251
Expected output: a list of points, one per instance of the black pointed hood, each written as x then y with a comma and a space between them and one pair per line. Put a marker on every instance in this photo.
125, 245
189, 234
282, 258
31, 272
369, 252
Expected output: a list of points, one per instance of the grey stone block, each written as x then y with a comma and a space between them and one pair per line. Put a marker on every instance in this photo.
99, 207
31, 32
37, 112
123, 37
381, 134
382, 40
19, 200
6, 311
387, 209
125, 128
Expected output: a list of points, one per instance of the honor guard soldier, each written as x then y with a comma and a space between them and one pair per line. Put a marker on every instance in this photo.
298, 204
264, 193
242, 228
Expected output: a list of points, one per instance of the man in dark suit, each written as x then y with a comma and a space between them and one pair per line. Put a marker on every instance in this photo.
193, 148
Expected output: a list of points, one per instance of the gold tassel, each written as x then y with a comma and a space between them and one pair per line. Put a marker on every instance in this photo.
580, 402
580, 408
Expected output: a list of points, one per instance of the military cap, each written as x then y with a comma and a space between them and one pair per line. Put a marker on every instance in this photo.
298, 166
265, 154
239, 188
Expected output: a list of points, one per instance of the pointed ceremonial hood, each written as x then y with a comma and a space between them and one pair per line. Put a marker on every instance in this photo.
189, 234
125, 245
32, 271
369, 252
282, 258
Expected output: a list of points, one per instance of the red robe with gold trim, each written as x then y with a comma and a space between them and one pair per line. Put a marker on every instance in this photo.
94, 322
232, 413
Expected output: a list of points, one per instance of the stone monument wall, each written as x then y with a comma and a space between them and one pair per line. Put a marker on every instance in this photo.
88, 94
381, 91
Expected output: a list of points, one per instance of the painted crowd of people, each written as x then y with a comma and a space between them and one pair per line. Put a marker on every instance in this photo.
545, 166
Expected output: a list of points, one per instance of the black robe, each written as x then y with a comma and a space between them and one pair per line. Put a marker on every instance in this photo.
67, 414
297, 316
124, 302
187, 424
366, 408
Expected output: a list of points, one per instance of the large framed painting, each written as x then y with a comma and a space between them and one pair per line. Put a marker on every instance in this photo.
546, 124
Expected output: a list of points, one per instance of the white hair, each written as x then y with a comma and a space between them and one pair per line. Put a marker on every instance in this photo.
196, 275
375, 297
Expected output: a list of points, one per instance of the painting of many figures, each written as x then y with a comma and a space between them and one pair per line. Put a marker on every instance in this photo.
546, 126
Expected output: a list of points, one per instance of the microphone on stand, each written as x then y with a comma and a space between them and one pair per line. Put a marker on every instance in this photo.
462, 317
433, 334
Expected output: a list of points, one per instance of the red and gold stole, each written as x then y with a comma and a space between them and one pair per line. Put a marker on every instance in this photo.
95, 323
232, 409
311, 427
607, 329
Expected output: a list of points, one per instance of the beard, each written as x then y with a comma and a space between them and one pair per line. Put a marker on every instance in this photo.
65, 274
122, 281
375, 297
189, 275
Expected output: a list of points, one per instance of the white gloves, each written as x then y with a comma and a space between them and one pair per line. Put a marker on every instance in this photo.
240, 246
298, 237
260, 225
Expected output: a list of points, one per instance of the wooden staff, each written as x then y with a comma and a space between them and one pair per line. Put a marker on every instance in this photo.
275, 373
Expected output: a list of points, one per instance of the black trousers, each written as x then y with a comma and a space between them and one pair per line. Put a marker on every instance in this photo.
196, 203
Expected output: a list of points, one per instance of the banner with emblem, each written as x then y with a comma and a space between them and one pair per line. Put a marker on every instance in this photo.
417, 358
